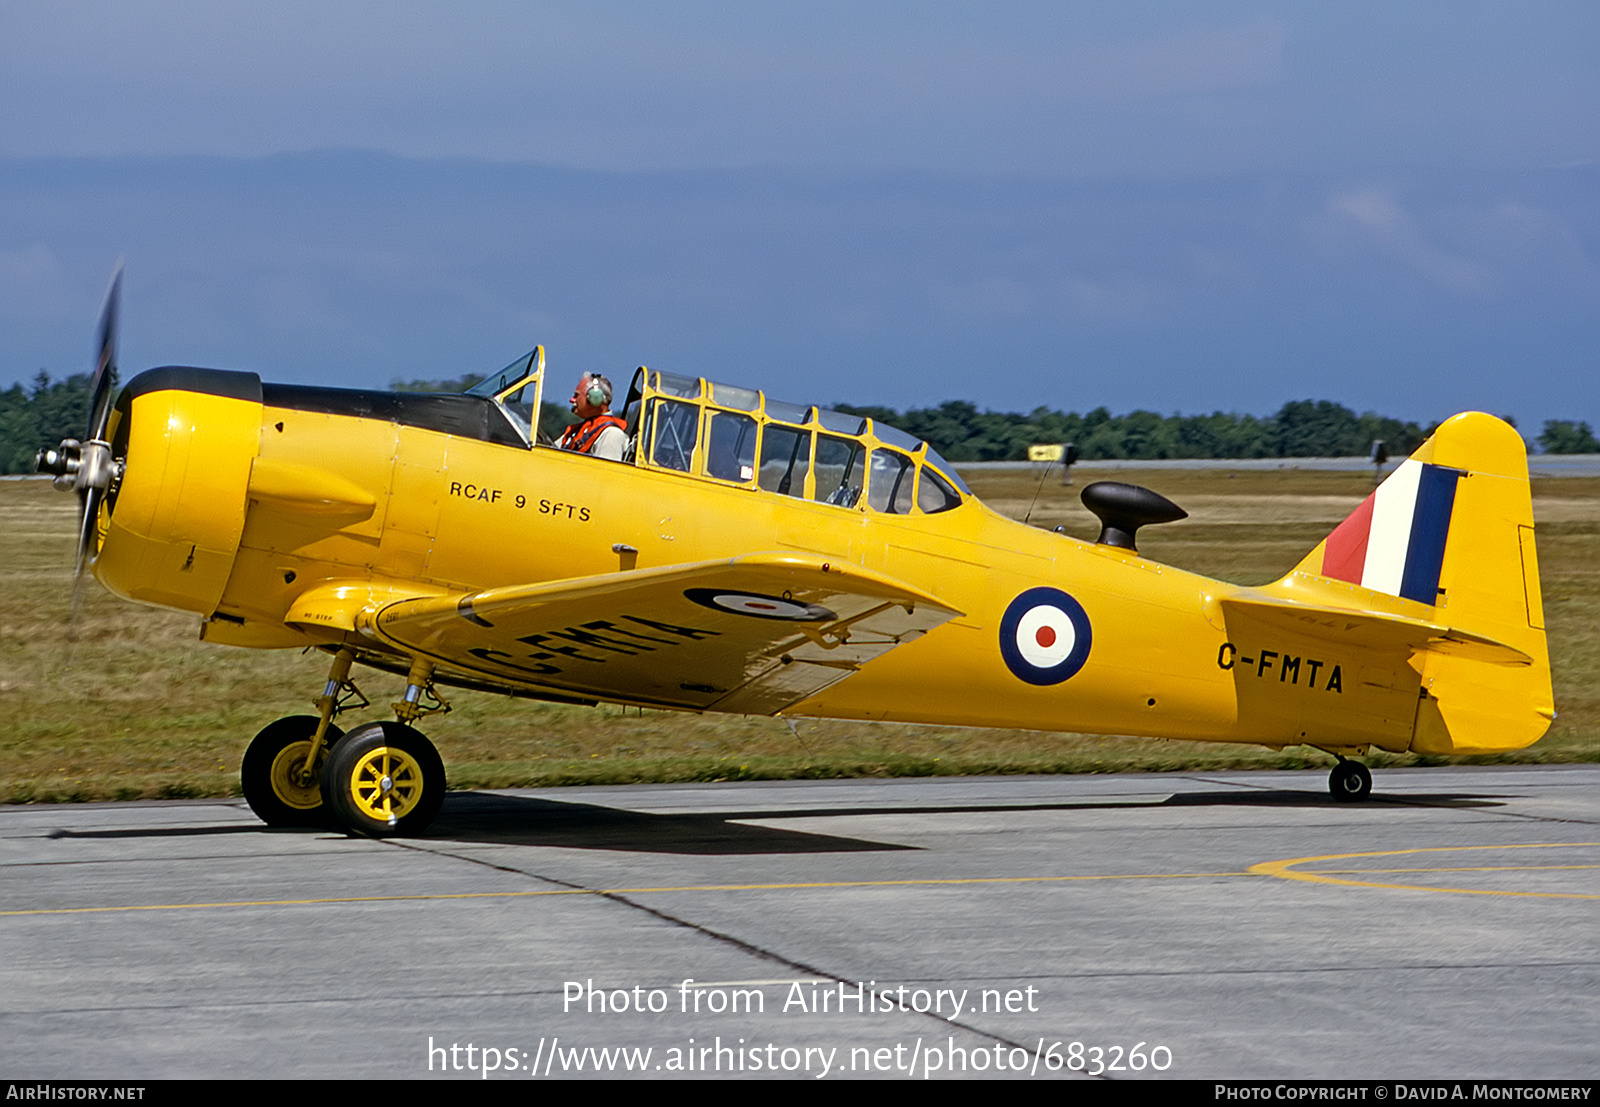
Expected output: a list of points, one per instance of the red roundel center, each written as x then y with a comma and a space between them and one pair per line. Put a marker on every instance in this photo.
1046, 637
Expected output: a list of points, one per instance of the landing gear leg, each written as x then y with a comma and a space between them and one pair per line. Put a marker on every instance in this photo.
281, 774
1350, 782
386, 779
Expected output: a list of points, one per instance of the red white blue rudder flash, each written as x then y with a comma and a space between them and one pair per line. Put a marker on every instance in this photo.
1394, 542
1045, 636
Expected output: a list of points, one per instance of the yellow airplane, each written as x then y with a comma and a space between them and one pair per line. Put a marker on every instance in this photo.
759, 557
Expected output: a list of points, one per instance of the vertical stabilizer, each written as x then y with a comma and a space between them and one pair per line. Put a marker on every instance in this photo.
1448, 537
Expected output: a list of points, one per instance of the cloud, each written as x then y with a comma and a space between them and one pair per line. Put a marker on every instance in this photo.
1375, 217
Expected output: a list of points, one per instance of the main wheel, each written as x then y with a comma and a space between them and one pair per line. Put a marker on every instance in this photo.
384, 779
1350, 782
273, 775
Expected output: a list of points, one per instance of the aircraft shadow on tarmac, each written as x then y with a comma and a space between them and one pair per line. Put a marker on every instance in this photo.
1283, 798
537, 821
534, 821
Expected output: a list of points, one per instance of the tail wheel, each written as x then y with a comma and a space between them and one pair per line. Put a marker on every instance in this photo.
274, 777
1350, 782
384, 779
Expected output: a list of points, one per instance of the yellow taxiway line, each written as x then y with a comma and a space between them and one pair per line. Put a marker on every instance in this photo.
1285, 869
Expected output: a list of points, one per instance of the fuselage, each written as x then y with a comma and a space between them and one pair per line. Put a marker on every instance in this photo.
238, 499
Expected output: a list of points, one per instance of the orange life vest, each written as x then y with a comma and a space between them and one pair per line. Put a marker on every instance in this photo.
582, 436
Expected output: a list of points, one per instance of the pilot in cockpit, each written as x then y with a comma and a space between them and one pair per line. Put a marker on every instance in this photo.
597, 432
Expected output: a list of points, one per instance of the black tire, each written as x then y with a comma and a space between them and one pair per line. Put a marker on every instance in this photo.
269, 772
1350, 782
384, 780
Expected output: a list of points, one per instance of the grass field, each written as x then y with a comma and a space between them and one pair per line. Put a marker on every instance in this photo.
137, 707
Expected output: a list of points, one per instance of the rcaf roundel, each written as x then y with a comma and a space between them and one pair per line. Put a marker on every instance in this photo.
759, 606
1044, 636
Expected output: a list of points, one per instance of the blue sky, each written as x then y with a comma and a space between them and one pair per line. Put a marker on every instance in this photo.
1179, 207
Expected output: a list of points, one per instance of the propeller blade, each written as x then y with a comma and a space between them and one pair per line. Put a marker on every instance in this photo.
89, 499
87, 467
105, 370
96, 454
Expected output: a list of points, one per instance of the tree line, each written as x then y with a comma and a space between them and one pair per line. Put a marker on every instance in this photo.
1304, 428
55, 409
1301, 428
31, 418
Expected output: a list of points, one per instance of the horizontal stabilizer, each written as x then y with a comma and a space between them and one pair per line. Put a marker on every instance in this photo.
1375, 630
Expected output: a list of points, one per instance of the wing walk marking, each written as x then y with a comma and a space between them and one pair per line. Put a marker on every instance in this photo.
1279, 869
471, 616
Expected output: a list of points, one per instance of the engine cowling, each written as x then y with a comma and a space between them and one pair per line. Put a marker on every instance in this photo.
169, 533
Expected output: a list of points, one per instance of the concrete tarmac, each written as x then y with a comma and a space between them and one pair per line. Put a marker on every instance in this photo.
1196, 925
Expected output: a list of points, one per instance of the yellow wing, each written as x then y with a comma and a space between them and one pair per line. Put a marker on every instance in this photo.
750, 635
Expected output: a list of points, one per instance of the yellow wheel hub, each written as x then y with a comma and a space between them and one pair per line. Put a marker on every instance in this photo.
386, 784
291, 783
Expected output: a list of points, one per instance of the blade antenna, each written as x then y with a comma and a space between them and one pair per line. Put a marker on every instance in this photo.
1047, 467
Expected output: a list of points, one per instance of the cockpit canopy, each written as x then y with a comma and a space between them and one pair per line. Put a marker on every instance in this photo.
739, 436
